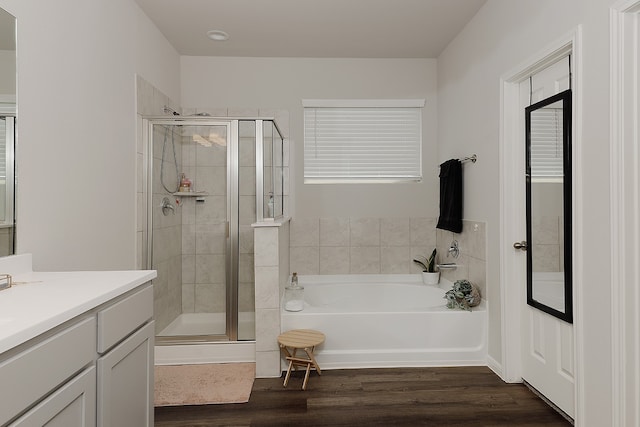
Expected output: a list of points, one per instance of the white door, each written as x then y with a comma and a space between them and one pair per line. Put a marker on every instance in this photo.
546, 342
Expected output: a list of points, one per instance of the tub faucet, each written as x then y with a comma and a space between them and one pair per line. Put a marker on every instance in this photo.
454, 250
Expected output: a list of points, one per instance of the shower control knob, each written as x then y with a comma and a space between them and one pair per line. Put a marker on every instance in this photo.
520, 245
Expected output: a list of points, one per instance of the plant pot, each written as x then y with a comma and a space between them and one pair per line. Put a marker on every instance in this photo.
430, 278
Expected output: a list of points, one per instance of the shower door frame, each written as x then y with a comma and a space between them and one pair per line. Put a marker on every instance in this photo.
232, 220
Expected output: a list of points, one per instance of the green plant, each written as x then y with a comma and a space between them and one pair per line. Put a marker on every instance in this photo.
428, 265
463, 295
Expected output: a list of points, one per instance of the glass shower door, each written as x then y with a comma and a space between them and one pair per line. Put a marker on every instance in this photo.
191, 246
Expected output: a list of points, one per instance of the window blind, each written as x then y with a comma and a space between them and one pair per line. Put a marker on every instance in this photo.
362, 144
546, 157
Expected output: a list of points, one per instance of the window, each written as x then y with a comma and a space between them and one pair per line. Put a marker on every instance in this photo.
368, 141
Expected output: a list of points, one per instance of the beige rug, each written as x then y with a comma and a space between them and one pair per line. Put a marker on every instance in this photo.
203, 384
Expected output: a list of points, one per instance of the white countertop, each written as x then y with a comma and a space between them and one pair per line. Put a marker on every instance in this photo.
39, 301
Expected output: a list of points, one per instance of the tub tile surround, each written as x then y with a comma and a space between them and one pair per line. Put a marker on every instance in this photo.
472, 260
385, 246
360, 245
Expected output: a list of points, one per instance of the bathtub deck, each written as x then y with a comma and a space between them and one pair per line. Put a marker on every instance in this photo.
465, 396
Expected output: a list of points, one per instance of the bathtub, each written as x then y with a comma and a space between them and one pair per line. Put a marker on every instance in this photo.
375, 321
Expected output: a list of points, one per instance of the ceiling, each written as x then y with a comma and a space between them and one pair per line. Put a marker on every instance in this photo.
312, 28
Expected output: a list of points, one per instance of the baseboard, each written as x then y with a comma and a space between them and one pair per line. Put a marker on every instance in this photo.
495, 367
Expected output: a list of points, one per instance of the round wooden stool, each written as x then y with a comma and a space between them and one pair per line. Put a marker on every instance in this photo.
300, 339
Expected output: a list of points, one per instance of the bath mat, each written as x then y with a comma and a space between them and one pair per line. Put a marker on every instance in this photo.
203, 384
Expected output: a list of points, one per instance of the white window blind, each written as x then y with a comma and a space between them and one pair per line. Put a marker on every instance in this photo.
546, 158
362, 144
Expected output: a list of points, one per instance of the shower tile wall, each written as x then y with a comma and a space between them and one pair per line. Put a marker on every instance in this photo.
167, 289
204, 228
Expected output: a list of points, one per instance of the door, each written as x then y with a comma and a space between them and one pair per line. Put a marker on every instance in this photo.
547, 351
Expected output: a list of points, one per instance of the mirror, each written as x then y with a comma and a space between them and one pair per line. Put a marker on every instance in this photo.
548, 187
7, 131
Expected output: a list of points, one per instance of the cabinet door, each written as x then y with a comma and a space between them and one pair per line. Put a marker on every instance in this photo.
72, 405
125, 382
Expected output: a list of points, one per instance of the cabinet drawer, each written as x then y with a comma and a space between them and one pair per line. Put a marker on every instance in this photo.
40, 369
117, 321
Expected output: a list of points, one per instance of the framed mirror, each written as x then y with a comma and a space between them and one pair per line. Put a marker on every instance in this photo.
548, 195
7, 131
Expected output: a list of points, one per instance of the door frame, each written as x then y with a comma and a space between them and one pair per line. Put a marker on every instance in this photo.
625, 209
511, 129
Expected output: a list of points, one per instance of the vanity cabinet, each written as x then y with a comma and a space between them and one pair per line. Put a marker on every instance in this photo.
125, 365
94, 369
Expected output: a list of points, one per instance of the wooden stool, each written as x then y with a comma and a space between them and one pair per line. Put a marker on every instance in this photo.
305, 339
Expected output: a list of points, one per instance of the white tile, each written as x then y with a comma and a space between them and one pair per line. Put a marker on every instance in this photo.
211, 179
423, 231
267, 287
210, 239
266, 246
364, 231
304, 232
334, 232
395, 232
210, 269
395, 260
246, 268
267, 329
365, 260
334, 260
305, 260
188, 268
188, 298
247, 181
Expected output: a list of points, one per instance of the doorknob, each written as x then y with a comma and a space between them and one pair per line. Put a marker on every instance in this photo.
520, 245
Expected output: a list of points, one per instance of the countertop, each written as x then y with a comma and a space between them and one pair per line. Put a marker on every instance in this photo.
40, 301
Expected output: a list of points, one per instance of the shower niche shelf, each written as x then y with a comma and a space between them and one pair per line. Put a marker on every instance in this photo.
191, 194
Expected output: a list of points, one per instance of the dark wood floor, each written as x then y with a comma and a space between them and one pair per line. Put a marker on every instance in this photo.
468, 396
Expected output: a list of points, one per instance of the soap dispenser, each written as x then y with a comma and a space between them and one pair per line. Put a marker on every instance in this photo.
294, 295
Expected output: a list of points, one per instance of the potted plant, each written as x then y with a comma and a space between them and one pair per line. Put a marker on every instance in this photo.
430, 272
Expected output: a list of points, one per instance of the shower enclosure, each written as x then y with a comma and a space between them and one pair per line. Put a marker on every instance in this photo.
200, 237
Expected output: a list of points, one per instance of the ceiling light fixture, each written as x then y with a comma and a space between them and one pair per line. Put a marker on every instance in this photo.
218, 35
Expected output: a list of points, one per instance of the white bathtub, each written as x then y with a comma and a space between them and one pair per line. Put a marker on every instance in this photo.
388, 321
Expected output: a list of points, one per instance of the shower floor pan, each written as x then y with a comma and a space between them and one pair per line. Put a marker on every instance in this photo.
208, 324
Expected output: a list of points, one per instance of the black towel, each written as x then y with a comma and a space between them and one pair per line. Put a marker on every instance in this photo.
450, 196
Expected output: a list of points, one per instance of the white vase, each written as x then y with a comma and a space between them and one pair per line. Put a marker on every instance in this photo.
430, 278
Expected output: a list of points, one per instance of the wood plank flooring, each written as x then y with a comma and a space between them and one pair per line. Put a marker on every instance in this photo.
466, 396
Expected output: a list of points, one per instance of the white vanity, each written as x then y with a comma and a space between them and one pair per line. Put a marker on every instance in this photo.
76, 348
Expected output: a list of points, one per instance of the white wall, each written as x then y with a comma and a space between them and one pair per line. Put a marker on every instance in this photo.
7, 72
500, 37
283, 82
77, 61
